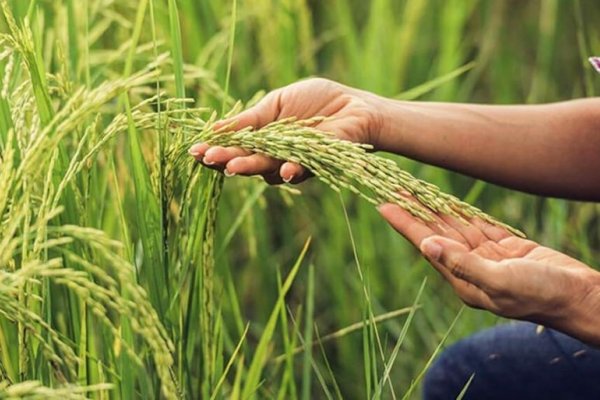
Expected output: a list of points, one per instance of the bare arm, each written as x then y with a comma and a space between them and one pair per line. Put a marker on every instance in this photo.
551, 150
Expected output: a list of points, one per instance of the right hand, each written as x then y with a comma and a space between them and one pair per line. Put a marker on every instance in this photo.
355, 117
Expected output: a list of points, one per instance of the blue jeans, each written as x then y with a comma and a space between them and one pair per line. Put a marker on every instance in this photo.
516, 361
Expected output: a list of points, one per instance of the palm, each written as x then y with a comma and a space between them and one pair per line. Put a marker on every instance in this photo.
350, 115
512, 249
492, 269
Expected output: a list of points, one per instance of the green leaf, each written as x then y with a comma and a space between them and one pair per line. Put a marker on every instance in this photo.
261, 352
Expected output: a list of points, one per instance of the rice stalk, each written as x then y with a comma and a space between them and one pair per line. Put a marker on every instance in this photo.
56, 133
340, 164
34, 390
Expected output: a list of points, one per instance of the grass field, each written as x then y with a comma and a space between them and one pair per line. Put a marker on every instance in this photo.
127, 271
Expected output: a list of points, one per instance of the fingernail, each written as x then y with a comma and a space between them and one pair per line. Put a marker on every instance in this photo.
431, 249
195, 149
227, 173
381, 207
207, 162
289, 179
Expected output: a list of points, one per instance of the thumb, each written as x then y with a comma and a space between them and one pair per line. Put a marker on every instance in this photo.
459, 260
264, 112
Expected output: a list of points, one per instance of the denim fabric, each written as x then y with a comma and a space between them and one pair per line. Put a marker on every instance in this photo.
516, 361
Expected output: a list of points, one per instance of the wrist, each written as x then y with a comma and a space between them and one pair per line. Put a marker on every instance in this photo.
580, 317
403, 128
388, 122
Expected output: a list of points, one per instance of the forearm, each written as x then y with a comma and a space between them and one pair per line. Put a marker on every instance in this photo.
551, 149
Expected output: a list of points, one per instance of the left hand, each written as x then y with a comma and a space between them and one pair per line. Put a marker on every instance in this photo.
513, 277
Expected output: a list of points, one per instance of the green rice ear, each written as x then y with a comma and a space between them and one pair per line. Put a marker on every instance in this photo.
342, 164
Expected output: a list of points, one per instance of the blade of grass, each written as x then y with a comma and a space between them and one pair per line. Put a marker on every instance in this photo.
371, 315
584, 49
367, 354
147, 213
73, 39
308, 333
415, 381
147, 207
390, 363
412, 17
430, 86
289, 344
6, 124
230, 48
176, 48
336, 387
348, 330
475, 191
230, 363
250, 201
464, 390
260, 355
315, 368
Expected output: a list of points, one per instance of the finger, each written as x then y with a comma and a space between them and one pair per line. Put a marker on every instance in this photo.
471, 233
291, 172
438, 225
418, 232
265, 111
255, 164
470, 294
338, 127
462, 263
442, 228
198, 150
402, 221
473, 296
218, 155
247, 118
493, 232
517, 247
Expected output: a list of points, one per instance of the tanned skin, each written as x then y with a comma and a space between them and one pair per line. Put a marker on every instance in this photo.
550, 150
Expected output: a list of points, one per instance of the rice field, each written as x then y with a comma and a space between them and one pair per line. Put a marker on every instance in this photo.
129, 271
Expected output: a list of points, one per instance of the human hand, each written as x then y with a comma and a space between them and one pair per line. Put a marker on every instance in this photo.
354, 116
510, 276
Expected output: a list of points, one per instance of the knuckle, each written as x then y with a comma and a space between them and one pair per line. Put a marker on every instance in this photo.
317, 80
469, 299
456, 265
470, 302
497, 287
474, 304
272, 98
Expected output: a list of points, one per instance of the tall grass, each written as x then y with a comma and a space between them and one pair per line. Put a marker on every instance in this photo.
119, 278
